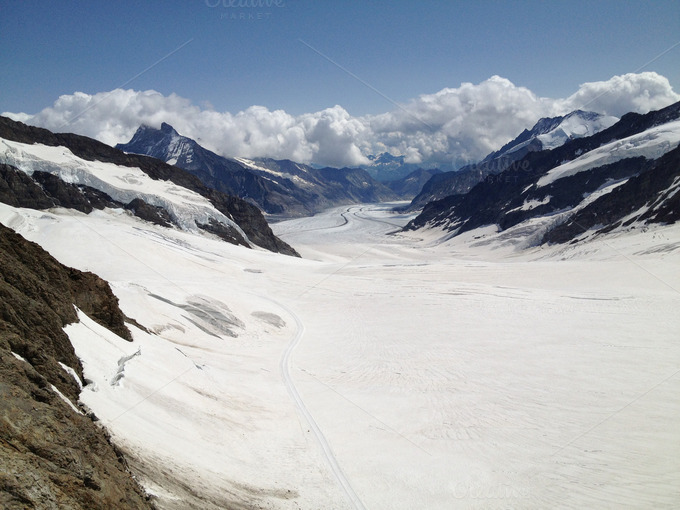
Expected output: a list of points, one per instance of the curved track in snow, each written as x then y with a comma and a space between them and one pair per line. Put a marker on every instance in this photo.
284, 365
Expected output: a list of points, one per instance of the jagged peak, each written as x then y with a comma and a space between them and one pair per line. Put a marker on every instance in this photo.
168, 129
165, 128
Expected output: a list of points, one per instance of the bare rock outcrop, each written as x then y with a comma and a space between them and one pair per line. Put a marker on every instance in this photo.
52, 454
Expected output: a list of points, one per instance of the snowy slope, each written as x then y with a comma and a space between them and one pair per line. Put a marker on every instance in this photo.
266, 170
577, 124
382, 371
651, 144
549, 133
123, 184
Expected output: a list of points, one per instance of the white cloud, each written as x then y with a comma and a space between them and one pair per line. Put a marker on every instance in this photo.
19, 117
619, 95
464, 123
449, 127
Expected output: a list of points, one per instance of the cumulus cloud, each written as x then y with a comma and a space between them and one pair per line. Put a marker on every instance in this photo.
465, 123
448, 128
619, 95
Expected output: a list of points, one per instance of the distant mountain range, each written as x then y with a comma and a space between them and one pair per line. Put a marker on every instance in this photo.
547, 133
357, 187
386, 168
278, 187
622, 176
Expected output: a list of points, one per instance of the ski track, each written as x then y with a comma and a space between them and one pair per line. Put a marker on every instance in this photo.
285, 363
284, 366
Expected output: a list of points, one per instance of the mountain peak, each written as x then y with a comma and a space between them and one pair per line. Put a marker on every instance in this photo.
385, 157
168, 129
551, 132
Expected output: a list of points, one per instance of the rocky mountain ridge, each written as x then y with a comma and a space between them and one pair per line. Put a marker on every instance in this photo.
277, 187
234, 220
627, 173
547, 133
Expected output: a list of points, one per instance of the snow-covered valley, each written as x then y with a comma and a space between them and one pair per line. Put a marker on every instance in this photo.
383, 370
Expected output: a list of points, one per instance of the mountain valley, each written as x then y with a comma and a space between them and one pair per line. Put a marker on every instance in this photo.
513, 344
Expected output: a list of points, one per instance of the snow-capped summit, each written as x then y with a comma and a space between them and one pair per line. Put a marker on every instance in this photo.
385, 158
386, 167
576, 125
552, 132
165, 144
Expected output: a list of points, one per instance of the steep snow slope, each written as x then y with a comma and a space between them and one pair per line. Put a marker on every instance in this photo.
552, 132
576, 125
123, 184
650, 144
439, 376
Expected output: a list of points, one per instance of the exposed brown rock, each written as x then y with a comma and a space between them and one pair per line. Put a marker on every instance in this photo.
51, 455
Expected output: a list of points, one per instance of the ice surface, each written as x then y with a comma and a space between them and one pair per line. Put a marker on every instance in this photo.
442, 375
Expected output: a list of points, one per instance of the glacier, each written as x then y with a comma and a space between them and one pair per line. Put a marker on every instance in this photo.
440, 374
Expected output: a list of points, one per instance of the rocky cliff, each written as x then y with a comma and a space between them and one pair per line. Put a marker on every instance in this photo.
52, 453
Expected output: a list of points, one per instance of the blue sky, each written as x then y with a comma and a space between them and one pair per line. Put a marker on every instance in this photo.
239, 57
307, 56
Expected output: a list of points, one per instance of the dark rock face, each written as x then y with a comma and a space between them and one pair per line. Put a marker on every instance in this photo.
71, 196
50, 455
150, 213
43, 190
38, 295
499, 198
248, 217
19, 190
254, 225
652, 188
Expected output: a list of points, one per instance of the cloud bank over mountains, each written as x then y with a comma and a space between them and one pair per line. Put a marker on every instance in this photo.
448, 128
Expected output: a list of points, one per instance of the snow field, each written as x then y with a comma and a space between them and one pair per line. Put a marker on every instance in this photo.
458, 374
